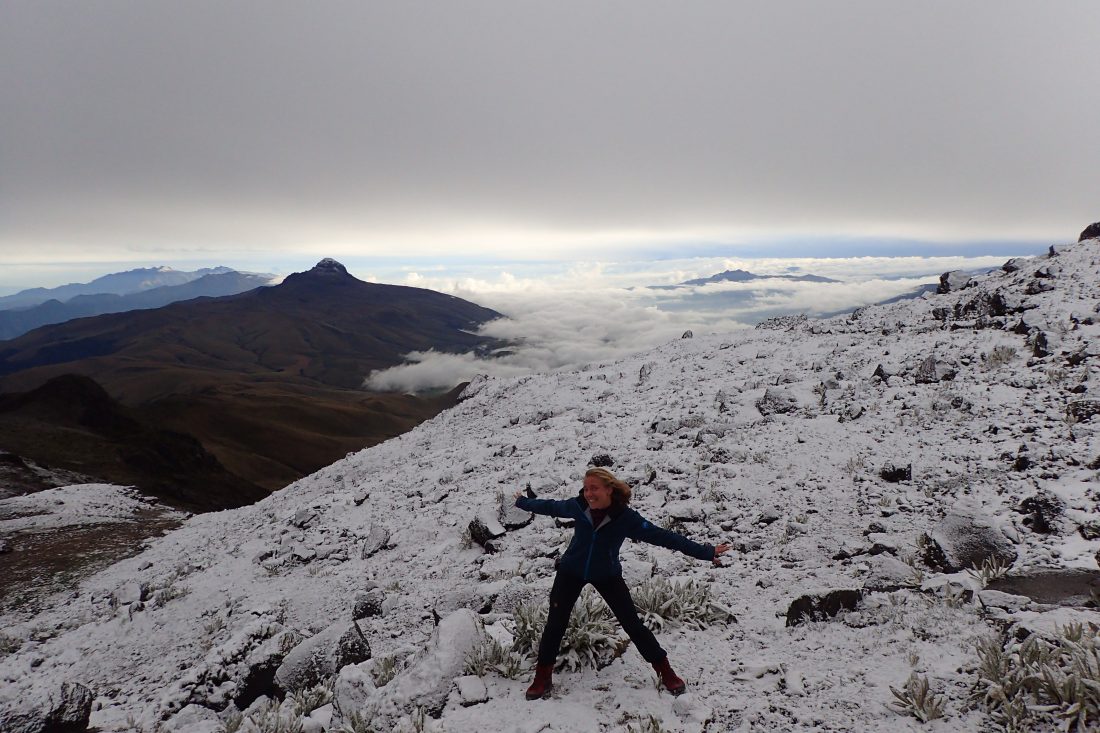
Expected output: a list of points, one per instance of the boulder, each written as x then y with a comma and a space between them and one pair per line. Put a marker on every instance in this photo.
368, 603
484, 531
952, 281
377, 539
822, 607
193, 719
1044, 510
66, 710
471, 690
687, 335
893, 474
321, 656
425, 682
932, 370
1092, 231
511, 516
887, 572
964, 540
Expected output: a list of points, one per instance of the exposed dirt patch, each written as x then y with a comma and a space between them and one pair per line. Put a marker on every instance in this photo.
47, 562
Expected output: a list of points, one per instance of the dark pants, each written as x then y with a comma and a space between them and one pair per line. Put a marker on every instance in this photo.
564, 594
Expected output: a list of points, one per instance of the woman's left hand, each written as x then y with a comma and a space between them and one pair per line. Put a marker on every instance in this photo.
719, 550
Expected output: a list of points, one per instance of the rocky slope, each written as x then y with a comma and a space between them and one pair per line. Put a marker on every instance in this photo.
834, 454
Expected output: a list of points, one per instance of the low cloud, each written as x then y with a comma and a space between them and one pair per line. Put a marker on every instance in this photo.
565, 316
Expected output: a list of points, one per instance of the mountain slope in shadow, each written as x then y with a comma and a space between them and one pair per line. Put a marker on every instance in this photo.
268, 380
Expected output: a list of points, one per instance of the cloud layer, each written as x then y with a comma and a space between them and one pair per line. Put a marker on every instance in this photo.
595, 312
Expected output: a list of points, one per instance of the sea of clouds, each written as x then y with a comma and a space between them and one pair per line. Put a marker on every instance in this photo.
562, 316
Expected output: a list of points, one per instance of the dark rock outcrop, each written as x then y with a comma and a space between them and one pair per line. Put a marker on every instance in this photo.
1092, 231
1043, 510
894, 474
952, 281
822, 607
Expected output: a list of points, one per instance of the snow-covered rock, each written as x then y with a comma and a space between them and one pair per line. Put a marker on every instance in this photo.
322, 656
967, 539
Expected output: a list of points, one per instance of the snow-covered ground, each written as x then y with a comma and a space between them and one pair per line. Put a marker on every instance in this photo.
793, 490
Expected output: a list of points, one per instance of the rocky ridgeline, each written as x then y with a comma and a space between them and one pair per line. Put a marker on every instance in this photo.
898, 482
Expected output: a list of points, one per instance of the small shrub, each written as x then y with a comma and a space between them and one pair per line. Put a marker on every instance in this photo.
991, 569
9, 645
1042, 684
917, 700
489, 655
164, 596
306, 701
999, 356
270, 718
384, 670
590, 639
651, 724
663, 603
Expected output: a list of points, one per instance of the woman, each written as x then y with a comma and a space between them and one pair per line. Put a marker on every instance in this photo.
602, 521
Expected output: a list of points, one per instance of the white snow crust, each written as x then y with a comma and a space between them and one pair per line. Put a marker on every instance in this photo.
682, 426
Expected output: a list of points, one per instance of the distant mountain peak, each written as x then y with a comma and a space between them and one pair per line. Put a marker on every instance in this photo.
329, 266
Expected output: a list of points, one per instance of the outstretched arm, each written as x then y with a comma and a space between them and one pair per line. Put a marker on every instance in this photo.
646, 531
549, 507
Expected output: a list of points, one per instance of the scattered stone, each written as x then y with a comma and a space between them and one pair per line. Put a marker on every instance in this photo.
302, 518
952, 281
1090, 530
767, 517
893, 474
1014, 264
321, 656
887, 572
686, 335
998, 599
601, 460
822, 607
1043, 510
4, 547
1083, 410
368, 604
1039, 345
377, 539
484, 531
471, 690
965, 540
881, 373
132, 592
360, 497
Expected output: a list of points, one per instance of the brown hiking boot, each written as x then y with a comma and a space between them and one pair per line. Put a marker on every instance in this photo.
672, 683
543, 682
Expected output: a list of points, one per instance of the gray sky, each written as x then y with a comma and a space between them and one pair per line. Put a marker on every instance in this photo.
155, 131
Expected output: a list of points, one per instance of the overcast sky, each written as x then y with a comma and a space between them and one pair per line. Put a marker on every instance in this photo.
154, 132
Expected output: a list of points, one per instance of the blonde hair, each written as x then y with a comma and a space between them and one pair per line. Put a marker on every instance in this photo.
620, 490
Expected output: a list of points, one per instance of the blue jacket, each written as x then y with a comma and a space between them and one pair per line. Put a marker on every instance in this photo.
594, 552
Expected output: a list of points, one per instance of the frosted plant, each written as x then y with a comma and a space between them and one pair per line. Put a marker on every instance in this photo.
270, 718
1037, 684
9, 644
308, 700
917, 700
651, 724
489, 655
998, 356
663, 603
991, 569
384, 670
590, 639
